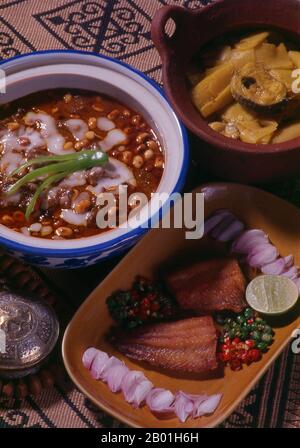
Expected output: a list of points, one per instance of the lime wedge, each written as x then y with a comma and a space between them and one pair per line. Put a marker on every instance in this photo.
272, 294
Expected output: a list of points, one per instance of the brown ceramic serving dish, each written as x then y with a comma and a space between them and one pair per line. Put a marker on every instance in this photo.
91, 323
224, 157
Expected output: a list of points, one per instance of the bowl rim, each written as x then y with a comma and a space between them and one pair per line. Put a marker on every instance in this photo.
202, 129
133, 233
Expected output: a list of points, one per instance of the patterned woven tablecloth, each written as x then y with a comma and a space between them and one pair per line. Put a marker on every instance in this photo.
121, 29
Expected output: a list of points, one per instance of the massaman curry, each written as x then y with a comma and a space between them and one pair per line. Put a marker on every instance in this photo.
60, 150
244, 87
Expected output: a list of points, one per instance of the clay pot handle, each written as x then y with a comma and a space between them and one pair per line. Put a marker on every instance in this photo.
164, 43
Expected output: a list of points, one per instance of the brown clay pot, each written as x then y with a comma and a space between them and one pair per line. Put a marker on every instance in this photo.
221, 156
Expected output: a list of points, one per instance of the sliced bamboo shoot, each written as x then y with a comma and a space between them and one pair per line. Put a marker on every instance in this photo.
252, 41
210, 87
295, 57
286, 133
222, 100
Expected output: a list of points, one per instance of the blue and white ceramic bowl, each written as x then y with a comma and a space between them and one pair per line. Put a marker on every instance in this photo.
45, 70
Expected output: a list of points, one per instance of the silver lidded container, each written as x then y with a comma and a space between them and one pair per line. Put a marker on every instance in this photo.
29, 331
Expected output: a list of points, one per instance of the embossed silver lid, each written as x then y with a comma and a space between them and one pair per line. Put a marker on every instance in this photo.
29, 330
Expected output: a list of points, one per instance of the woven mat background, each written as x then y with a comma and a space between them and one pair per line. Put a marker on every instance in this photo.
121, 29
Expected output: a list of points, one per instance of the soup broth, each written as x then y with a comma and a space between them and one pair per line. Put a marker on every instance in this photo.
58, 123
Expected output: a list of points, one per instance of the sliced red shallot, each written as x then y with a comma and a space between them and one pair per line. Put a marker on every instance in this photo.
278, 266
160, 401
231, 232
223, 225
184, 405
248, 240
141, 391
89, 356
98, 364
289, 261
208, 406
292, 272
274, 268
137, 389
261, 255
112, 362
115, 375
215, 219
130, 382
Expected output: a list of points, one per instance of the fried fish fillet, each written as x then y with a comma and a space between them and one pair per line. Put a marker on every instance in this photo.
187, 345
209, 285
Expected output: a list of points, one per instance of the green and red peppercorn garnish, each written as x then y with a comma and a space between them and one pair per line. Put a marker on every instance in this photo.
145, 302
244, 339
